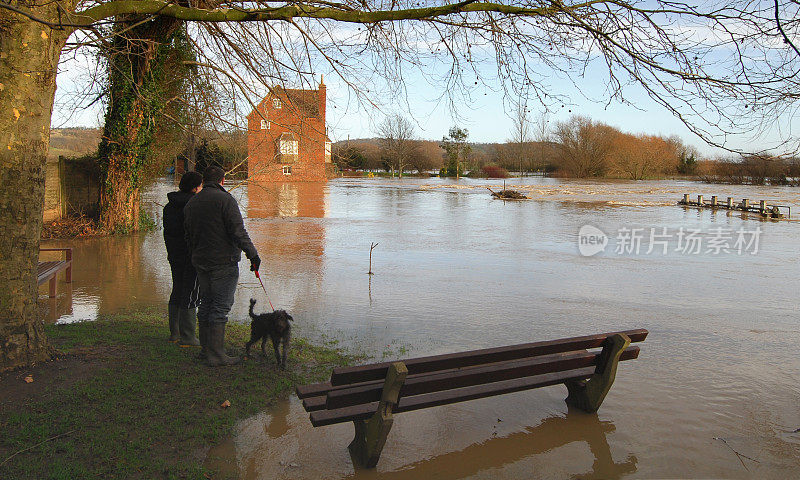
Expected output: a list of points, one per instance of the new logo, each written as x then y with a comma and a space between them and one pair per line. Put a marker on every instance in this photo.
591, 240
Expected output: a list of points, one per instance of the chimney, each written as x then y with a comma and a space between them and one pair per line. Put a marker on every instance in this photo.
322, 98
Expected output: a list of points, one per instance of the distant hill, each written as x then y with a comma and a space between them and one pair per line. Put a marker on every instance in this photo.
73, 142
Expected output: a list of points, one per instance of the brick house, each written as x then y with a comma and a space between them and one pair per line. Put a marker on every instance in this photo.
286, 137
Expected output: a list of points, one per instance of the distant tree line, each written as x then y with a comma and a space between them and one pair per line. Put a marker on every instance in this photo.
578, 147
752, 169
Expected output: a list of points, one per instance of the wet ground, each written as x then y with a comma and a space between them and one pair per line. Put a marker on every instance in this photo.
713, 393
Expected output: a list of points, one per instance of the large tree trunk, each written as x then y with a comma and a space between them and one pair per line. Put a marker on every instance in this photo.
29, 54
136, 65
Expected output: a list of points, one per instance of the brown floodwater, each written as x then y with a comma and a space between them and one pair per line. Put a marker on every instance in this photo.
714, 393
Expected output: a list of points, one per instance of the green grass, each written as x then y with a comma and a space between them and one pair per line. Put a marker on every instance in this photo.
148, 407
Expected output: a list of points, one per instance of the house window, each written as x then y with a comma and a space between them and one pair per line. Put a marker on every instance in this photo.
276, 103
288, 147
265, 124
327, 152
287, 169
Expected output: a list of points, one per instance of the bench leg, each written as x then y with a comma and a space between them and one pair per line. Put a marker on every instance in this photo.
69, 265
370, 438
371, 434
53, 286
588, 395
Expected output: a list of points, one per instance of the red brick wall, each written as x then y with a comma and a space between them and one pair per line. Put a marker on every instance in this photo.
302, 114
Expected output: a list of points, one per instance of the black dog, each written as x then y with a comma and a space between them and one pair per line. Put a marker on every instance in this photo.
276, 326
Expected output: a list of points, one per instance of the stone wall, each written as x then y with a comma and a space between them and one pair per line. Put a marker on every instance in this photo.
72, 187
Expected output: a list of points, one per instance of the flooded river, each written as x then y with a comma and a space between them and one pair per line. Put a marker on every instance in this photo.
714, 393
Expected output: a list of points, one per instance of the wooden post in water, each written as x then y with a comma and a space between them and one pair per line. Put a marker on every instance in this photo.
714, 201
700, 200
371, 246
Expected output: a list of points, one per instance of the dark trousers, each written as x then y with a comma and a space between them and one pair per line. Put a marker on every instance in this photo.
185, 288
217, 288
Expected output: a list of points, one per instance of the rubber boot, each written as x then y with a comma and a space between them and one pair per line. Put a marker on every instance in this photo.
215, 352
187, 321
174, 329
202, 328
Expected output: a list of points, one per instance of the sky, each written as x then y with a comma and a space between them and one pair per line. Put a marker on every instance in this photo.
489, 117
486, 113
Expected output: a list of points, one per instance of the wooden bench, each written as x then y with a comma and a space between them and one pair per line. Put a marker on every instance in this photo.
49, 270
368, 395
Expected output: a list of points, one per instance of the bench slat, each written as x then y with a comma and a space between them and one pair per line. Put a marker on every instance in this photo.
314, 394
312, 404
478, 375
313, 389
408, 404
45, 270
377, 371
47, 266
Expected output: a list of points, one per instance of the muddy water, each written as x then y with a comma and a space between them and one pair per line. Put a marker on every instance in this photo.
714, 392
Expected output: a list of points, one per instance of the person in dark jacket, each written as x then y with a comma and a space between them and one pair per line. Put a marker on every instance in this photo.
216, 236
185, 290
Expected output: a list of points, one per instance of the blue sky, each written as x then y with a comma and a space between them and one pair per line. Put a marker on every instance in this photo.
486, 113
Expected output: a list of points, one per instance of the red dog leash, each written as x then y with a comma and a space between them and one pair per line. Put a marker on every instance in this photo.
265, 290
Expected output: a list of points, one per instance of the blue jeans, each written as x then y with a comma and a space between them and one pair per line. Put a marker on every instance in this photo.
217, 288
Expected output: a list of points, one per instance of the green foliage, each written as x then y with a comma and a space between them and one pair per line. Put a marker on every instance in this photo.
146, 221
450, 170
350, 158
145, 68
457, 151
687, 163
207, 155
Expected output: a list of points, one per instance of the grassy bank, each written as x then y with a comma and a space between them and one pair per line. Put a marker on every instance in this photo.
122, 402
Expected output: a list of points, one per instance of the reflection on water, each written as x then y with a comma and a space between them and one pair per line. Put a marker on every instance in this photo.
276, 200
550, 434
415, 452
110, 274
456, 270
